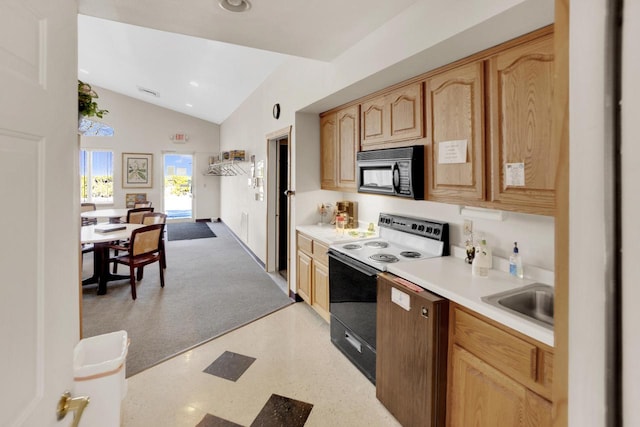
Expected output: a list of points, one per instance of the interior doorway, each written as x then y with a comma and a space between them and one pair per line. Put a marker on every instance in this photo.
279, 199
177, 192
282, 214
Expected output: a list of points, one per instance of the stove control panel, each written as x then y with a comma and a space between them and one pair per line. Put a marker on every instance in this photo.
422, 227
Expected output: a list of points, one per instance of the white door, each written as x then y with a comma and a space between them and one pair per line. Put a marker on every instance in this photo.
39, 208
630, 213
178, 186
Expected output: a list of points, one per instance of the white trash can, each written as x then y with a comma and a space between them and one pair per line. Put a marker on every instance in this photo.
99, 365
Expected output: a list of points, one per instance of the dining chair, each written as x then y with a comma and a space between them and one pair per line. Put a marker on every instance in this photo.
142, 205
157, 218
134, 216
143, 249
86, 207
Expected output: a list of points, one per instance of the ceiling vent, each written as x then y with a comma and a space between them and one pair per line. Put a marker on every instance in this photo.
149, 91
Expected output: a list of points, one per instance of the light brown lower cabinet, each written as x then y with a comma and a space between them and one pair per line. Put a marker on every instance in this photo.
312, 281
303, 268
481, 395
497, 377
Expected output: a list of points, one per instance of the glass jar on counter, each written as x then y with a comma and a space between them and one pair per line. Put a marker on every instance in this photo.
341, 222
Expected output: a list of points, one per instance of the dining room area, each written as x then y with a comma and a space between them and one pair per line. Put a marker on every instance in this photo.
135, 241
179, 284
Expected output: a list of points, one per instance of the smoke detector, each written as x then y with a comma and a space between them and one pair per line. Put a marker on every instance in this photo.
235, 5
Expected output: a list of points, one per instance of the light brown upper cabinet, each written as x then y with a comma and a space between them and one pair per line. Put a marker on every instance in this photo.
392, 117
455, 135
486, 121
523, 156
328, 141
339, 138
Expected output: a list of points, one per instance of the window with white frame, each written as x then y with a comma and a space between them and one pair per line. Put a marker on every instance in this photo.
96, 176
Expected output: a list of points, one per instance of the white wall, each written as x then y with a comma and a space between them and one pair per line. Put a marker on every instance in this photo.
140, 127
422, 38
588, 199
630, 214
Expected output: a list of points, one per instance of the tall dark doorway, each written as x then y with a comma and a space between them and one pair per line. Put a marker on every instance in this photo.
282, 206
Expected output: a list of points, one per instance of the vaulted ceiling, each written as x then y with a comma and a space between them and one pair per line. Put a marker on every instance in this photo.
204, 61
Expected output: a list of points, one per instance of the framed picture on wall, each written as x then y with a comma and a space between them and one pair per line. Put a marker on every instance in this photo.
133, 198
137, 170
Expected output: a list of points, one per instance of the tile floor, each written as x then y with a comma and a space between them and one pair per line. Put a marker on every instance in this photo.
281, 370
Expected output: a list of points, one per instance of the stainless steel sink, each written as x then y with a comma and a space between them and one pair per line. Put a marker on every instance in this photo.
533, 302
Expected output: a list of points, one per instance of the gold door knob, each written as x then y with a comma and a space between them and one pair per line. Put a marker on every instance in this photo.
75, 405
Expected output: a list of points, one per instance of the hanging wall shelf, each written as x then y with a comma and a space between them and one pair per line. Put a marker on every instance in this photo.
225, 168
227, 163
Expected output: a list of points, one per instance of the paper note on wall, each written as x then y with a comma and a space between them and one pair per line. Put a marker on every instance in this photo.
454, 151
514, 174
400, 298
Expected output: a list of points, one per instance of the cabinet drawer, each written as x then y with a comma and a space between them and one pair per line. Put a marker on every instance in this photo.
305, 244
320, 253
513, 356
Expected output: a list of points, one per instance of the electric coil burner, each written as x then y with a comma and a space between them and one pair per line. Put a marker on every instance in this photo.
377, 244
384, 258
411, 254
351, 246
353, 271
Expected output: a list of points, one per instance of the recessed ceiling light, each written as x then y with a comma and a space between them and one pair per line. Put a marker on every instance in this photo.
83, 71
189, 105
194, 84
235, 5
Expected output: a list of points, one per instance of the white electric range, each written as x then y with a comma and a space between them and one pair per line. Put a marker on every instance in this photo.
353, 273
401, 239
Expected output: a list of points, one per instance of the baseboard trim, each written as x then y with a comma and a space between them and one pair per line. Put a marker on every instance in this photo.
294, 296
246, 248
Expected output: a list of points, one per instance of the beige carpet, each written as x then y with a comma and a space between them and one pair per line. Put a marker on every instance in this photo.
212, 286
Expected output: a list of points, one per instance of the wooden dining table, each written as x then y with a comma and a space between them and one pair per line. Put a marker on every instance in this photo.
113, 215
101, 242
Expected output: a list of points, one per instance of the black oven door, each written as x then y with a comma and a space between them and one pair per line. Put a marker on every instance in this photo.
352, 298
352, 295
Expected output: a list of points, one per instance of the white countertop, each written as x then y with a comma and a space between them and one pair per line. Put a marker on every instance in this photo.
328, 235
451, 278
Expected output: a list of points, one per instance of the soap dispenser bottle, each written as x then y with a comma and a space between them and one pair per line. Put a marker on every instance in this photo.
515, 262
482, 261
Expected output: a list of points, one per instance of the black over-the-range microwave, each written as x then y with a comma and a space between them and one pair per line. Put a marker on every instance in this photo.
392, 171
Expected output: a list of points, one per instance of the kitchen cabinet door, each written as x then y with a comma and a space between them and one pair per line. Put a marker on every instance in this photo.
523, 155
348, 121
455, 118
320, 280
537, 410
405, 113
303, 284
374, 128
482, 396
393, 119
328, 142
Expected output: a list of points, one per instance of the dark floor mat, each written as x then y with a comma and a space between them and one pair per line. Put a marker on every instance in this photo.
189, 231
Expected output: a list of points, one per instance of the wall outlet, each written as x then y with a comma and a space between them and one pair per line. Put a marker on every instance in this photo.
467, 228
